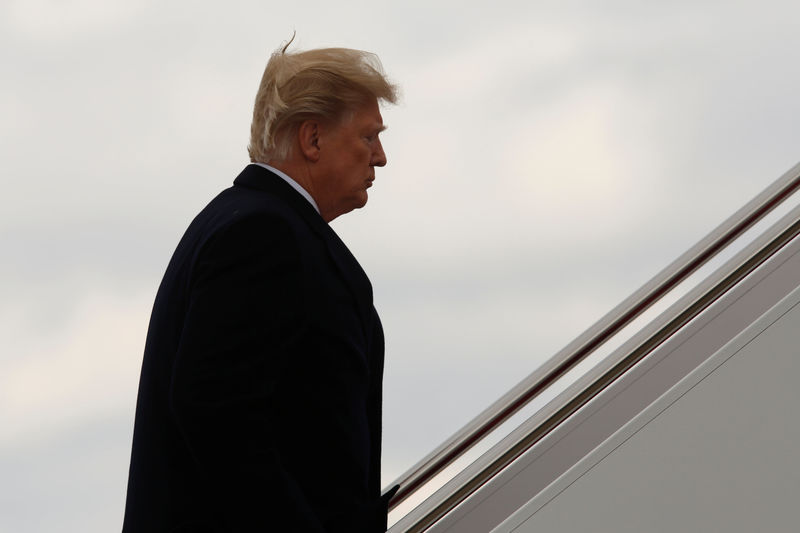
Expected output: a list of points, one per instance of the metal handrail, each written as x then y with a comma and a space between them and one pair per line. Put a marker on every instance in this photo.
590, 385
599, 333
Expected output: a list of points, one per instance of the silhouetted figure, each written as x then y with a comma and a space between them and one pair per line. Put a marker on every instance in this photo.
259, 404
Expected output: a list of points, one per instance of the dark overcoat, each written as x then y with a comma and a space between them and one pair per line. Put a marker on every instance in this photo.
259, 404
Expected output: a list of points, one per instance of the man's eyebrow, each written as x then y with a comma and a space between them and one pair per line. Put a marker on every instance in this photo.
383, 127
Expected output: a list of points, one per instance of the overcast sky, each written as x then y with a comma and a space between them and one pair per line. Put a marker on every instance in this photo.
546, 159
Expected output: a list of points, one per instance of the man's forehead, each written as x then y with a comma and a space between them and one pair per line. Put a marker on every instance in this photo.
371, 118
368, 115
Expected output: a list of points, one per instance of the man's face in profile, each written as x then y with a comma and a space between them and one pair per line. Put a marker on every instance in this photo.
349, 153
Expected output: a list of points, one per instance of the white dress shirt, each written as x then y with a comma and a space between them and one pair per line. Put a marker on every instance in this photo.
296, 186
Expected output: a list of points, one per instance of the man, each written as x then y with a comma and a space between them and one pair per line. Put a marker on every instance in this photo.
260, 393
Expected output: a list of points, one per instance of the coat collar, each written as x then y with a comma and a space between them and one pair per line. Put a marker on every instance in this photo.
259, 178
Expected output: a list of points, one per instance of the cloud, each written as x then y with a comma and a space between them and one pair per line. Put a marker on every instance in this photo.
57, 20
72, 480
88, 368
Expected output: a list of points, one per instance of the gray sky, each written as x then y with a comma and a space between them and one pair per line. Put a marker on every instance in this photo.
547, 158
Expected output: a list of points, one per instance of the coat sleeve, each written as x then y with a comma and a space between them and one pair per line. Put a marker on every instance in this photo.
244, 314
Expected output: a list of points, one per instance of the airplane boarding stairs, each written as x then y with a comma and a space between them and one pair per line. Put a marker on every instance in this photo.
677, 411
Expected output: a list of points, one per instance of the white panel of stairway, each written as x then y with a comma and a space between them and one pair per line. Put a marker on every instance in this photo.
546, 489
717, 452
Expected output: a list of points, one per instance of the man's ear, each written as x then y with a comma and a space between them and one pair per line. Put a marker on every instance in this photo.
308, 136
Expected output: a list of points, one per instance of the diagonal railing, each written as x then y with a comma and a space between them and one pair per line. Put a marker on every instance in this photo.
594, 337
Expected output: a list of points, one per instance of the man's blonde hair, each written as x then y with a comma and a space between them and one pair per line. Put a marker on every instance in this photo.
324, 83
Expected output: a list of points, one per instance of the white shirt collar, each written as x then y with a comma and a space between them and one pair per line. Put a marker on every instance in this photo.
296, 186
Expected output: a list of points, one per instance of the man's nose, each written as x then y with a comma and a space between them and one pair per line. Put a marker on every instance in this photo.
378, 156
